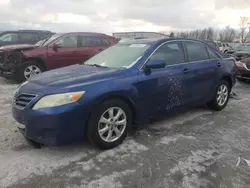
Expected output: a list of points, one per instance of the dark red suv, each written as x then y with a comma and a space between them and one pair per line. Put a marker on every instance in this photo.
24, 61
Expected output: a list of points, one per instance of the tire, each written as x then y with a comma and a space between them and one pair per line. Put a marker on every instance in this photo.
20, 77
95, 124
215, 103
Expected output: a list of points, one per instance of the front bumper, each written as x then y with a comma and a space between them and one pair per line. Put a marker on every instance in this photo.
53, 126
8, 71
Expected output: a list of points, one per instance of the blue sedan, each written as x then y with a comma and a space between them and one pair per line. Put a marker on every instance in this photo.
130, 82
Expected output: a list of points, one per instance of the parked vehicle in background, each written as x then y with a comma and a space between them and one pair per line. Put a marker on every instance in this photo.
241, 52
220, 45
24, 61
131, 81
243, 69
23, 37
226, 47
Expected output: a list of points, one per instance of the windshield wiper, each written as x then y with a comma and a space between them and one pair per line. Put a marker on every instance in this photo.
96, 65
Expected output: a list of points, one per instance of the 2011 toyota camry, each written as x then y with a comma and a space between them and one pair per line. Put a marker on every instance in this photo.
128, 83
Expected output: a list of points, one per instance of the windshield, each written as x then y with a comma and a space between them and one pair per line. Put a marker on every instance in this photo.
49, 39
120, 55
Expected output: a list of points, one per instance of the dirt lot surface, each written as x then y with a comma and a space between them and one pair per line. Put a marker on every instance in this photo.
198, 148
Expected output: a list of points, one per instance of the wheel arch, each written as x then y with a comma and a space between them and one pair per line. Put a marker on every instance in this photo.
228, 79
116, 96
38, 60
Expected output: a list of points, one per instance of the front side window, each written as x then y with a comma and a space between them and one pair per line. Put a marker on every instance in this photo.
48, 40
196, 51
68, 41
119, 55
172, 53
10, 37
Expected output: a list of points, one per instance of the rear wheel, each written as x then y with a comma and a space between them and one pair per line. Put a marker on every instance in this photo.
28, 70
109, 123
222, 96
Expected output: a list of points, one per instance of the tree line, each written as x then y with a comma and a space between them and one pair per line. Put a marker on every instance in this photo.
228, 34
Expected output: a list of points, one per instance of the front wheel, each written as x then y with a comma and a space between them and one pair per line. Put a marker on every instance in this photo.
222, 96
28, 70
108, 124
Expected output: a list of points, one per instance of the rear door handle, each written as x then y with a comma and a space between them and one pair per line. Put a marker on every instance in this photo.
219, 64
185, 71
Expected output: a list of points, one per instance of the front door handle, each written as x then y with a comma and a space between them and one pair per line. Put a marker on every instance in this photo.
185, 71
219, 64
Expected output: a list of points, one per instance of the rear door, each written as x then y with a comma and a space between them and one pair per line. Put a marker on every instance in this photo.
66, 54
163, 89
201, 71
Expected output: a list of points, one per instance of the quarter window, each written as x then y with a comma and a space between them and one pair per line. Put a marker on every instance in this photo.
68, 41
196, 51
172, 53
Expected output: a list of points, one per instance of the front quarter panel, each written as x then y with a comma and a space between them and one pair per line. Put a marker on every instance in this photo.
122, 87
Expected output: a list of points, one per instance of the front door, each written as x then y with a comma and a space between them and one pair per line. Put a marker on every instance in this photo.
163, 89
64, 55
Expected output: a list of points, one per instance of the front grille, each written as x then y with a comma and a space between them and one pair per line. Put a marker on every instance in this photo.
23, 100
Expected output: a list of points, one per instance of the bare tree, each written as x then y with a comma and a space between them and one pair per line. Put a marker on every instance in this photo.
210, 34
171, 34
244, 28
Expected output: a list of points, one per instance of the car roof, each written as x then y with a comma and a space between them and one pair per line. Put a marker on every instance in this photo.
27, 31
156, 40
85, 33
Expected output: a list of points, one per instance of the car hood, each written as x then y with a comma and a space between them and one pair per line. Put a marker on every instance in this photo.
75, 74
17, 47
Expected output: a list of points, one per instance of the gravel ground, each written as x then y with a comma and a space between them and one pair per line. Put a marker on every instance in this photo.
197, 148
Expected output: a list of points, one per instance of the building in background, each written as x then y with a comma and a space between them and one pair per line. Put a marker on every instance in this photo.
125, 35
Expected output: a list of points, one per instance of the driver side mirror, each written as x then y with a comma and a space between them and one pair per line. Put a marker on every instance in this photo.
155, 64
56, 45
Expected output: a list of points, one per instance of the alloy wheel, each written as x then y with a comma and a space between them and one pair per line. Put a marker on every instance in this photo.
31, 71
112, 124
222, 95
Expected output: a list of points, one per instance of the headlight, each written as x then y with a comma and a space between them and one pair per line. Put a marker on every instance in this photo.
58, 100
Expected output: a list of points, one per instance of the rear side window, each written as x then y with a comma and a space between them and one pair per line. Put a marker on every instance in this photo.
196, 51
172, 53
90, 41
212, 54
28, 37
42, 37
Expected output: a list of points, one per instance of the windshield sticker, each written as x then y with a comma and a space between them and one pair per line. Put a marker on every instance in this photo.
137, 45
